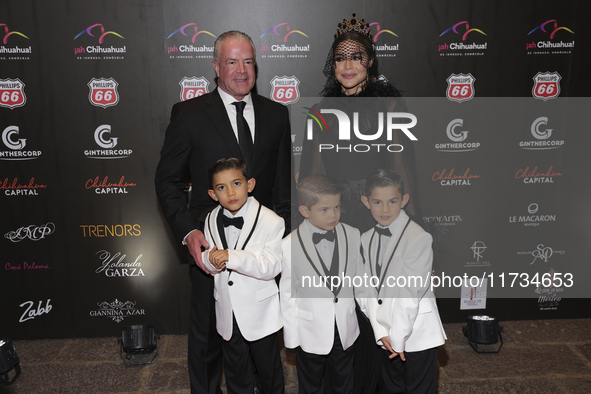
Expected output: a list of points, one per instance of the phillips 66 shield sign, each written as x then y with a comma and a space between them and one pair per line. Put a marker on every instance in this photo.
285, 89
460, 87
103, 92
546, 85
12, 93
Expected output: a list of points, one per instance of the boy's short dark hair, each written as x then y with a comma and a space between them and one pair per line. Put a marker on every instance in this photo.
384, 178
311, 188
227, 163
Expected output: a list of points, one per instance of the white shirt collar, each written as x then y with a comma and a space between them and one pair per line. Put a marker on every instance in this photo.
228, 99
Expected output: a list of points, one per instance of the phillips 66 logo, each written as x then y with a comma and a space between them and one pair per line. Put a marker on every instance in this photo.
546, 85
193, 87
12, 93
285, 89
460, 87
103, 92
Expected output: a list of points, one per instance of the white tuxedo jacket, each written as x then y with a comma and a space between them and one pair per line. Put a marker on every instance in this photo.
309, 314
408, 315
247, 286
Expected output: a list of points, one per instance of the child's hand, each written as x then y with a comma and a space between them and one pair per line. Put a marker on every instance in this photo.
218, 258
388, 346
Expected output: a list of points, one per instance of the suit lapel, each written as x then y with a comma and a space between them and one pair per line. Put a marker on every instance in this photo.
217, 233
309, 249
261, 118
219, 117
250, 222
343, 253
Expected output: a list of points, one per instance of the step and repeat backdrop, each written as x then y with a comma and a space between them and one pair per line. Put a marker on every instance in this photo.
86, 90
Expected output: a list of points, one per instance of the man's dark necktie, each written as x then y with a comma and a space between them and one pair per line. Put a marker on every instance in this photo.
317, 237
236, 222
381, 231
244, 135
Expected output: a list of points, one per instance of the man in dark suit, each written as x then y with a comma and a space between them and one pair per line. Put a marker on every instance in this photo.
201, 131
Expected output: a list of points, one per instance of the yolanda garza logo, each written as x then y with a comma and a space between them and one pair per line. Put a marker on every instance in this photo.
533, 219
117, 310
103, 92
443, 220
32, 232
17, 152
15, 188
449, 178
457, 138
344, 130
542, 137
15, 52
104, 140
12, 93
193, 87
114, 265
478, 248
96, 52
285, 90
546, 85
103, 186
31, 312
110, 230
285, 49
464, 48
190, 51
541, 254
384, 49
549, 30
460, 87
535, 176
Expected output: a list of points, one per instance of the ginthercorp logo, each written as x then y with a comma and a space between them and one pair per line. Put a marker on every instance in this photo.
285, 90
14, 51
465, 47
280, 41
534, 175
452, 177
12, 93
104, 139
542, 134
98, 33
478, 248
103, 92
10, 138
460, 87
384, 49
191, 48
117, 310
457, 135
533, 218
15, 187
546, 85
345, 126
118, 265
193, 87
547, 35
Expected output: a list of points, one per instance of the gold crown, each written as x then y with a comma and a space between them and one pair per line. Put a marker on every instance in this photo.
353, 24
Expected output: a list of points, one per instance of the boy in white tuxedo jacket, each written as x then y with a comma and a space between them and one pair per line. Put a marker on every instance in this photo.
403, 311
244, 256
319, 317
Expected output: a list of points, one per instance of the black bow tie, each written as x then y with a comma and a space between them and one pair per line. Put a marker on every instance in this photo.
383, 231
236, 222
317, 237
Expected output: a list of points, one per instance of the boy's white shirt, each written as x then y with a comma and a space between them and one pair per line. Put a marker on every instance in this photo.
408, 316
310, 322
253, 297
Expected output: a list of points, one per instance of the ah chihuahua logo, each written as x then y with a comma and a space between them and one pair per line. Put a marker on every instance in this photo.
278, 30
465, 33
8, 33
462, 48
190, 51
384, 50
550, 29
98, 31
18, 52
284, 32
188, 29
101, 35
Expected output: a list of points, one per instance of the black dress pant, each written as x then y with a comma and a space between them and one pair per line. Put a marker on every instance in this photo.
239, 354
416, 375
338, 365
367, 356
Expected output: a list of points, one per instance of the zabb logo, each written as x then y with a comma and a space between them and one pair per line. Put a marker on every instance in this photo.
457, 136
103, 92
10, 139
102, 137
12, 93
285, 90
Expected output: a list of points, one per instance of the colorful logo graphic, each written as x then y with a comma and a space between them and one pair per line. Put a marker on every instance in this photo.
460, 87
546, 85
288, 30
454, 29
103, 33
190, 28
379, 31
8, 33
285, 89
552, 29
12, 93
103, 92
193, 87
